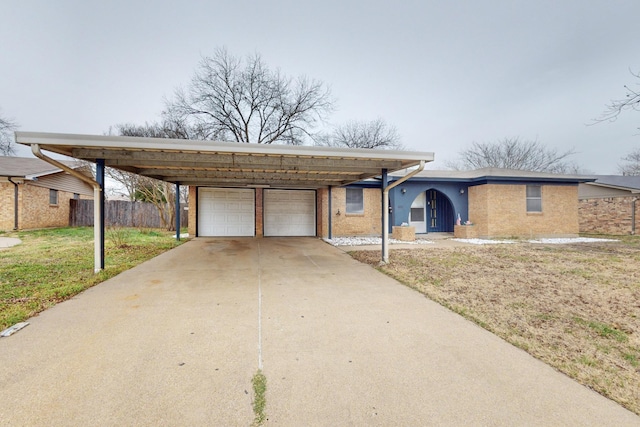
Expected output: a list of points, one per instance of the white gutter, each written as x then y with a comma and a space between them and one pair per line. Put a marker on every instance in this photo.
385, 210
97, 237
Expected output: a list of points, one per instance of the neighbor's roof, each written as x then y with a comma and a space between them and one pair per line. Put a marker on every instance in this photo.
495, 174
228, 164
29, 167
620, 182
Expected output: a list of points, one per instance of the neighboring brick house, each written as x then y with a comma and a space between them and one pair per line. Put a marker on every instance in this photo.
608, 205
35, 194
498, 202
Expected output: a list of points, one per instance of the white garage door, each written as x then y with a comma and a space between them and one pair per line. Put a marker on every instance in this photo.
226, 212
289, 213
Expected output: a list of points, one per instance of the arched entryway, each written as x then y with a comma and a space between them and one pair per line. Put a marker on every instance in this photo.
432, 212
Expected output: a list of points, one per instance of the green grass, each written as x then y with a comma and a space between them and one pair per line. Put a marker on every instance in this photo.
604, 330
259, 382
632, 359
52, 265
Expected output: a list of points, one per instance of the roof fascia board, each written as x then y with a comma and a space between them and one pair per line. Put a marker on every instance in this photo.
425, 179
39, 174
524, 181
500, 179
615, 187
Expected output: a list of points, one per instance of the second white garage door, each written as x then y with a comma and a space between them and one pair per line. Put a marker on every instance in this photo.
289, 213
226, 212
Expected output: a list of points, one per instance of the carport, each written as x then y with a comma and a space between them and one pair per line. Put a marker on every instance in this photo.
223, 164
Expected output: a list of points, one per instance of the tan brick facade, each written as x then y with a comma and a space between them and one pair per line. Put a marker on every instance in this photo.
368, 223
6, 206
322, 218
193, 202
498, 210
34, 210
608, 215
259, 193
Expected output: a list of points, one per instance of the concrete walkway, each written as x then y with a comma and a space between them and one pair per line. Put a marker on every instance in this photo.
7, 242
177, 340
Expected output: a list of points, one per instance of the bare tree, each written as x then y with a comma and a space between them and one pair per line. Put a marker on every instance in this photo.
631, 163
142, 188
7, 127
631, 101
514, 153
376, 134
239, 100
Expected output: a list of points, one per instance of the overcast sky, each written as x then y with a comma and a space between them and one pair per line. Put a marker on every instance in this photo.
445, 73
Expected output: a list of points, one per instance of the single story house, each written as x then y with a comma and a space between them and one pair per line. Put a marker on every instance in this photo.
274, 190
235, 189
607, 205
35, 194
497, 202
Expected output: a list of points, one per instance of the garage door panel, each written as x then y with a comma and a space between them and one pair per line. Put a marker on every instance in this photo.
226, 212
289, 213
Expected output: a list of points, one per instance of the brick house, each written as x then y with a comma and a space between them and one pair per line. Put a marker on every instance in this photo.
498, 202
35, 194
608, 205
263, 190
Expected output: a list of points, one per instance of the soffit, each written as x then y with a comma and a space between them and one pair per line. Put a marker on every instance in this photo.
209, 163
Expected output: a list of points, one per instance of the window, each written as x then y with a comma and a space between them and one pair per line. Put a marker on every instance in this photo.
534, 198
53, 197
355, 201
417, 214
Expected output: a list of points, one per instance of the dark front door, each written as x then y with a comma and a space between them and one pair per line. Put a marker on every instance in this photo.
439, 213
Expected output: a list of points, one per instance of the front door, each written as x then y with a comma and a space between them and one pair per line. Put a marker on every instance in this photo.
439, 213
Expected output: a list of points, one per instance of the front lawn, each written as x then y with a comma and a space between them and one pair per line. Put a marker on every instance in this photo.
575, 307
53, 265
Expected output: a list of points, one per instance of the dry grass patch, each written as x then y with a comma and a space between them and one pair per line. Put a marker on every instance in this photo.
576, 307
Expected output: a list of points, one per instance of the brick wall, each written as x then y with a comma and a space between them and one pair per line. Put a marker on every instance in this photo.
368, 223
479, 208
259, 212
34, 210
7, 221
501, 211
193, 197
322, 206
611, 215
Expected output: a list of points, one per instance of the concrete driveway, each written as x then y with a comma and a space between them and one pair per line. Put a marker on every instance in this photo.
177, 340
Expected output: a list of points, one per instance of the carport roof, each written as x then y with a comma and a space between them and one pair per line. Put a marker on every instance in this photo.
213, 163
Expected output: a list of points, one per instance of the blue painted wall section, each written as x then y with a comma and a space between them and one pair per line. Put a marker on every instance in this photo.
401, 202
456, 190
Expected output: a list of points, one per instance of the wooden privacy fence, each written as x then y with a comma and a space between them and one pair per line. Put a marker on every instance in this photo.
120, 213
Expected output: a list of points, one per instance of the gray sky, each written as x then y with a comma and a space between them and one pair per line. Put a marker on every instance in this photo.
445, 73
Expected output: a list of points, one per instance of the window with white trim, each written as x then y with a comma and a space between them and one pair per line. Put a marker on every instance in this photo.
534, 198
53, 197
355, 201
